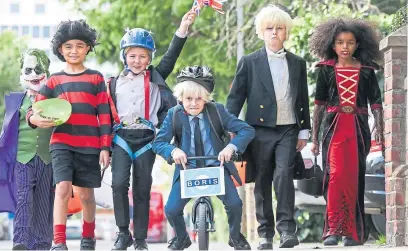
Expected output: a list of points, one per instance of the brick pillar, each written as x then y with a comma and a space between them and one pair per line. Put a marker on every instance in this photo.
394, 48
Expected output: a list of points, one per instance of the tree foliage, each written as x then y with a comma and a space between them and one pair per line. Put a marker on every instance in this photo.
11, 49
212, 39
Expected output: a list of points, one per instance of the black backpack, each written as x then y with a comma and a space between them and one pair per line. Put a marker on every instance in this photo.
214, 118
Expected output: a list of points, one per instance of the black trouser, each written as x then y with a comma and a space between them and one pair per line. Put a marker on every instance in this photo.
273, 152
142, 181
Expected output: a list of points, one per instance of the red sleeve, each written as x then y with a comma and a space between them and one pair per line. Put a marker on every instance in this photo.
104, 115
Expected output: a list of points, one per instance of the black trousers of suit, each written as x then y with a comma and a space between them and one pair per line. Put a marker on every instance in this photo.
273, 153
142, 181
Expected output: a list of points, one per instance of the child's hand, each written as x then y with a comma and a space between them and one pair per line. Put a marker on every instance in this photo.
301, 143
179, 157
187, 20
226, 154
104, 159
315, 149
39, 121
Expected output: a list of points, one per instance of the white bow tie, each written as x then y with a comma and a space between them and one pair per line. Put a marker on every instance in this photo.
281, 54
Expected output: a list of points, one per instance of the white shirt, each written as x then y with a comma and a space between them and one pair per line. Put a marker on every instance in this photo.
280, 76
130, 100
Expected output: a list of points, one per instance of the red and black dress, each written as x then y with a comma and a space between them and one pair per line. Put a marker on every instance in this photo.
346, 93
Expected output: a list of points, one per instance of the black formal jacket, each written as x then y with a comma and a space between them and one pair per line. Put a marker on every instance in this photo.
253, 83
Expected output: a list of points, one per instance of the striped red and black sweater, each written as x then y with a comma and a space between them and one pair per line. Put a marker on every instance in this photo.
88, 130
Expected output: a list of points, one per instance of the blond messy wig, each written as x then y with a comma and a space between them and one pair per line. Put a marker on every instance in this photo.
272, 15
191, 89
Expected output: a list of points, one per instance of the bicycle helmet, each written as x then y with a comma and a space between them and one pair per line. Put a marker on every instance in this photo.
202, 75
136, 37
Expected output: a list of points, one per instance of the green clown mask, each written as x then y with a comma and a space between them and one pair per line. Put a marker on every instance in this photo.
34, 69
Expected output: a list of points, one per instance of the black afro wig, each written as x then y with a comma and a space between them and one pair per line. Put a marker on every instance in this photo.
321, 42
70, 30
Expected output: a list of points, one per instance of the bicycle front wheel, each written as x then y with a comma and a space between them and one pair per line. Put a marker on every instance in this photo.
203, 234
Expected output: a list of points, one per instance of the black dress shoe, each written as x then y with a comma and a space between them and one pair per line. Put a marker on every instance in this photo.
265, 244
288, 241
140, 245
19, 246
240, 244
176, 244
331, 240
348, 242
123, 241
88, 244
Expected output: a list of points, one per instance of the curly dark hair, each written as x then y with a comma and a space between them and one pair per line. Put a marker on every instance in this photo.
322, 40
69, 30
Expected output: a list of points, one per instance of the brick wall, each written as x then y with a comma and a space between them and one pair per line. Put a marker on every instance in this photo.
394, 48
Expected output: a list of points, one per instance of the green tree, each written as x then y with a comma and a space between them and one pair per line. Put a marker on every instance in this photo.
11, 49
213, 37
389, 6
311, 12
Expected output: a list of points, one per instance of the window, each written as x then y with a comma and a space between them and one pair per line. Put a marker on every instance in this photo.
40, 8
36, 31
25, 30
15, 8
15, 29
46, 31
3, 28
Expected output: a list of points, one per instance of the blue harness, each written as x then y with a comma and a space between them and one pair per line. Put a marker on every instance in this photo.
125, 146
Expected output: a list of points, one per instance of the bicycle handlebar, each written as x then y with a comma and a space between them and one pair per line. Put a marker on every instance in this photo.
234, 157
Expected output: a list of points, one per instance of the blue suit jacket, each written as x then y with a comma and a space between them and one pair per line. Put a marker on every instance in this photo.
244, 135
8, 151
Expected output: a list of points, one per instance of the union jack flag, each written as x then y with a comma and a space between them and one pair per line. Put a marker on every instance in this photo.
214, 4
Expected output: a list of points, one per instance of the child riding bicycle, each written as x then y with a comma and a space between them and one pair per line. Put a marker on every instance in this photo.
193, 92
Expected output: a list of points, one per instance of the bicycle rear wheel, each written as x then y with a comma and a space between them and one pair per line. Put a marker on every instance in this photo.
203, 234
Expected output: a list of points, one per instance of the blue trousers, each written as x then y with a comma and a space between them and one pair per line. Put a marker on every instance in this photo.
232, 203
33, 221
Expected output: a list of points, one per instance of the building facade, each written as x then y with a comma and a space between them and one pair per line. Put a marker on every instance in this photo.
37, 20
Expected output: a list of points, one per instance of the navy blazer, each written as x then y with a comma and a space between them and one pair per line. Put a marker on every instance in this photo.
244, 135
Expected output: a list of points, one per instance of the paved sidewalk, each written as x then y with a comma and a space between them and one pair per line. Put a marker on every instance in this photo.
106, 245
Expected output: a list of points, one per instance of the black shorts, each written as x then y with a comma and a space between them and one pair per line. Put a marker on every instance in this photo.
83, 170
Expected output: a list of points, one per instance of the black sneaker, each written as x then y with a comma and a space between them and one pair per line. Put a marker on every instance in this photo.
175, 244
331, 240
19, 246
140, 245
288, 240
123, 241
59, 246
239, 244
88, 244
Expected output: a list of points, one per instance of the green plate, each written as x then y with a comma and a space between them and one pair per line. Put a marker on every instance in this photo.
54, 108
